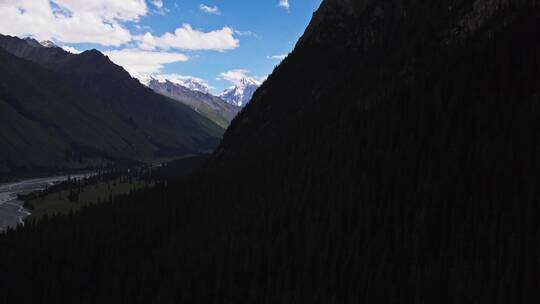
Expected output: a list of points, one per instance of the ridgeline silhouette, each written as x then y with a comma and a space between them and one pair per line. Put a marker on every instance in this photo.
391, 158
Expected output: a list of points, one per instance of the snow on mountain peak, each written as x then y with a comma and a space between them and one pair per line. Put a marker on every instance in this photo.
238, 95
34, 43
189, 82
48, 44
241, 93
193, 84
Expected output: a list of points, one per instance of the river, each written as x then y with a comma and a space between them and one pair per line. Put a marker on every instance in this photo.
12, 211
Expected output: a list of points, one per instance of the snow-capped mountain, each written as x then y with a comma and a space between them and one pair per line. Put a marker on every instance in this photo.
48, 44
240, 94
191, 83
194, 85
194, 94
34, 43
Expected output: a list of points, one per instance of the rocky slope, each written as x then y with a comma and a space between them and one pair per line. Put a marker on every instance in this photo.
197, 97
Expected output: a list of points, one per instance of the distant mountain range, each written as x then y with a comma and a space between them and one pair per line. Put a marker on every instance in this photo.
62, 111
238, 95
195, 95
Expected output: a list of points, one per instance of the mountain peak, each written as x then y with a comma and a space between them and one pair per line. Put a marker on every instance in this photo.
248, 81
48, 44
32, 42
193, 84
45, 43
93, 52
241, 93
188, 82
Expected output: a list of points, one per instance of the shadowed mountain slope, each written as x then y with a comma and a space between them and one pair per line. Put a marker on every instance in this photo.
85, 111
402, 168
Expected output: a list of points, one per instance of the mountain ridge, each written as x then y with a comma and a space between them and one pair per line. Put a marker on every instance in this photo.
401, 168
147, 124
212, 107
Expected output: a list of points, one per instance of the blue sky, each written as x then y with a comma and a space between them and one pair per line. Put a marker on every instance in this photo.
218, 40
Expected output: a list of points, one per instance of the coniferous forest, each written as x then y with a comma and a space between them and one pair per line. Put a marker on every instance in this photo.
393, 157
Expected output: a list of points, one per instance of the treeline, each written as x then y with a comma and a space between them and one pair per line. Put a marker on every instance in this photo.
76, 183
406, 172
105, 184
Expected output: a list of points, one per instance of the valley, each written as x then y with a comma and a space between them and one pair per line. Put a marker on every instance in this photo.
383, 152
12, 211
63, 111
33, 199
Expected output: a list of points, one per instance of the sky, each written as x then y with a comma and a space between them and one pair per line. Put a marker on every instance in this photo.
213, 41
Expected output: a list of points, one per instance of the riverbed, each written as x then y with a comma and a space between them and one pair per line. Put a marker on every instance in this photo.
12, 211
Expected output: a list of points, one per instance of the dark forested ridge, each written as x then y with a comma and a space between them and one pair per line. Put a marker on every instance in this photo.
65, 111
391, 158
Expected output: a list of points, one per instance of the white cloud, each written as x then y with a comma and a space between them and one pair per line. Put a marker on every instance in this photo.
140, 64
157, 3
247, 34
278, 57
284, 4
187, 38
126, 10
159, 7
71, 49
102, 22
237, 76
213, 10
71, 21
